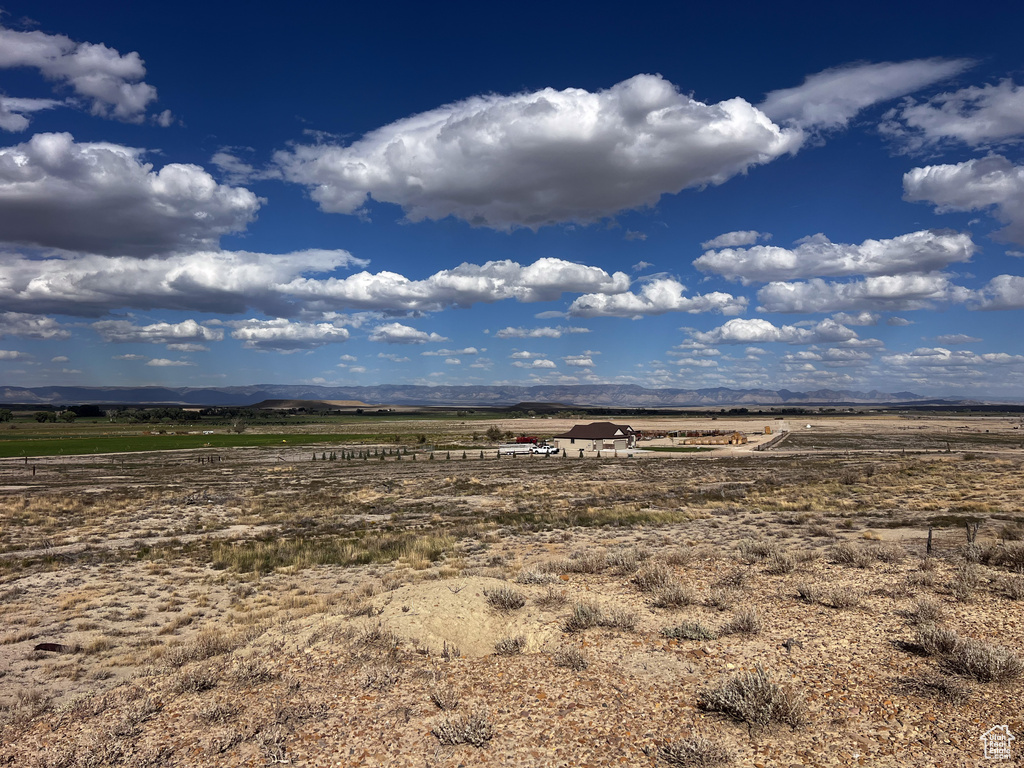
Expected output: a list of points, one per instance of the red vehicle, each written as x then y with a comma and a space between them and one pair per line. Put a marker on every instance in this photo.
522, 439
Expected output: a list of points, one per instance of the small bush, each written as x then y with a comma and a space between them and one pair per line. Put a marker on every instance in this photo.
845, 553
552, 598
194, 680
626, 560
510, 646
535, 577
505, 598
583, 616
251, 671
984, 662
696, 752
746, 621
842, 598
674, 595
1013, 587
754, 698
966, 580
378, 638
381, 677
1013, 557
926, 611
444, 697
678, 556
570, 658
779, 563
809, 593
936, 640
474, 729
888, 553
753, 551
722, 599
619, 618
689, 630
653, 576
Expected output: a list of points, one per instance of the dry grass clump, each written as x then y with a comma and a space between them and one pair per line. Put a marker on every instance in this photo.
678, 556
530, 576
570, 658
552, 598
935, 640
445, 697
251, 672
926, 611
746, 621
28, 703
983, 661
378, 638
505, 598
674, 595
809, 593
510, 646
474, 729
689, 630
587, 615
1013, 587
965, 581
722, 599
696, 752
753, 697
209, 643
779, 563
846, 553
194, 680
842, 598
654, 576
580, 561
1012, 557
627, 559
752, 550
380, 677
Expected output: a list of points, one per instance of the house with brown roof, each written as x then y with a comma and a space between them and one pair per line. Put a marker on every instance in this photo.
597, 436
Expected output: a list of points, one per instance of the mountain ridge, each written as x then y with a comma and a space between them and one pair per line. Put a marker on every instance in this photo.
590, 395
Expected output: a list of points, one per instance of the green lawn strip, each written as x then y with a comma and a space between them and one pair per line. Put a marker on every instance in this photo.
77, 446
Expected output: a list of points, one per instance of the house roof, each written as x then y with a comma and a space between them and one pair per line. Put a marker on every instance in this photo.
598, 430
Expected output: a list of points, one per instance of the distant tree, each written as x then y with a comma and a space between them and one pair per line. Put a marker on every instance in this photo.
68, 416
494, 434
239, 425
6, 414
44, 416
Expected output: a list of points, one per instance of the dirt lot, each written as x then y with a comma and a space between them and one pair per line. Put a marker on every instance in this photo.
251, 607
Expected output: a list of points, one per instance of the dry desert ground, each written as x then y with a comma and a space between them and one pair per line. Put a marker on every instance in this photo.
775, 608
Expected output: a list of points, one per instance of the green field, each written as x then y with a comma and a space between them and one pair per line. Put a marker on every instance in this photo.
45, 445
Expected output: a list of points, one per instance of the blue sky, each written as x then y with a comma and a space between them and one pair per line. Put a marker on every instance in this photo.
789, 197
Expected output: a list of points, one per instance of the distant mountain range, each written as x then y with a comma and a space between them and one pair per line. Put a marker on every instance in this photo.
596, 395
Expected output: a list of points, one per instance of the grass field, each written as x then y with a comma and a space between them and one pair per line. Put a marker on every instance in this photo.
44, 445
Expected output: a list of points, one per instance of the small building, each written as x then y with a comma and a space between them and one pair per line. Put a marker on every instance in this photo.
597, 436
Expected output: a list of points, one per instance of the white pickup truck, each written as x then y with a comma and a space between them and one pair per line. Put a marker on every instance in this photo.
511, 449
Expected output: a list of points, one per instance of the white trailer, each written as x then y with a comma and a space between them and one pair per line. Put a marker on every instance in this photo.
511, 449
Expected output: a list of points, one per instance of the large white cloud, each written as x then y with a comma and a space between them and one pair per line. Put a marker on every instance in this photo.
544, 280
545, 332
1001, 292
656, 297
891, 292
987, 182
124, 331
109, 81
923, 251
532, 159
830, 99
941, 357
977, 116
102, 198
283, 335
756, 330
396, 333
30, 326
207, 281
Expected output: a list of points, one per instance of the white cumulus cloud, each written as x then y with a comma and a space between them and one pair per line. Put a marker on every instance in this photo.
283, 335
162, 362
31, 326
656, 297
759, 331
102, 198
532, 159
546, 332
13, 111
817, 256
110, 82
534, 364
734, 239
982, 183
123, 331
896, 292
396, 333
